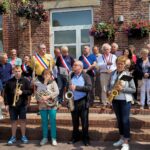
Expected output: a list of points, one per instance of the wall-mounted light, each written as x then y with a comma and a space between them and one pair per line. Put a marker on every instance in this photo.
120, 19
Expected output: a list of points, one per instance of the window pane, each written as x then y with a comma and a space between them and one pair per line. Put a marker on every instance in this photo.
0, 21
1, 40
85, 38
72, 51
65, 37
72, 18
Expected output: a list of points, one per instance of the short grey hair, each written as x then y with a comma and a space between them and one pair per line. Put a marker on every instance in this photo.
115, 44
105, 46
2, 55
40, 45
79, 62
64, 48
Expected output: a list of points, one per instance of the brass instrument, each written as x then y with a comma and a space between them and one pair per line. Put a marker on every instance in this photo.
69, 96
16, 97
69, 99
114, 91
39, 94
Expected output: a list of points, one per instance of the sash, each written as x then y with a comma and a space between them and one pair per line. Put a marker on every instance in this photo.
41, 61
107, 60
64, 63
24, 67
87, 62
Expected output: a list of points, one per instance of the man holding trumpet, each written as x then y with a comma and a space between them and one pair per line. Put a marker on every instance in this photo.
16, 94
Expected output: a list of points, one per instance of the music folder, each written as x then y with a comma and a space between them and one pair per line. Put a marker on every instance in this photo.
126, 78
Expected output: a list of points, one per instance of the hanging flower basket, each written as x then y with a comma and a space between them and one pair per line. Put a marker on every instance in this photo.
4, 7
137, 29
103, 30
33, 12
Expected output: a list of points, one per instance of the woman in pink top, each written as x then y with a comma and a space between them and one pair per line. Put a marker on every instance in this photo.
132, 49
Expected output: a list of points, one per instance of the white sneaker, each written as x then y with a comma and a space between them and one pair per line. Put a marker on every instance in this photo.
54, 142
118, 143
125, 147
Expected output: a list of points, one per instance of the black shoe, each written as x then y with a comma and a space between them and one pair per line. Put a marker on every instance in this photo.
86, 142
72, 141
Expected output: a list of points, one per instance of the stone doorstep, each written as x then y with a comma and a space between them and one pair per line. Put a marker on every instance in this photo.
34, 132
95, 120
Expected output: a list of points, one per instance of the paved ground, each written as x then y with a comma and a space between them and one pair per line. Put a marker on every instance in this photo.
34, 145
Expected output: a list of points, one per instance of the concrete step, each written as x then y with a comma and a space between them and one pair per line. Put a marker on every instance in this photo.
34, 132
95, 120
98, 109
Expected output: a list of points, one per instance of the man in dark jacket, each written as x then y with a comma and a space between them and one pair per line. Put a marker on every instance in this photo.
80, 86
16, 94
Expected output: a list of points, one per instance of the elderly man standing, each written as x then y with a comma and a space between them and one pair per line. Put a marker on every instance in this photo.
64, 63
106, 63
5, 69
89, 63
81, 87
114, 49
41, 61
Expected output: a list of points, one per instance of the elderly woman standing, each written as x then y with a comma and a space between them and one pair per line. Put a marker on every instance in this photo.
122, 102
143, 74
106, 63
47, 85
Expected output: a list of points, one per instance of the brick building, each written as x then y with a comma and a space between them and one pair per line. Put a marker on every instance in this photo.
69, 24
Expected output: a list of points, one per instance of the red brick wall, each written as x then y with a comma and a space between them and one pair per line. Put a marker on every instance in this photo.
14, 37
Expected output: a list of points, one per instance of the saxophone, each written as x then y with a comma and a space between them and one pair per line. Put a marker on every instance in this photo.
16, 97
114, 91
69, 96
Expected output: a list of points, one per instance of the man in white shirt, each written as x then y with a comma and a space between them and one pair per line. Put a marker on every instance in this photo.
106, 63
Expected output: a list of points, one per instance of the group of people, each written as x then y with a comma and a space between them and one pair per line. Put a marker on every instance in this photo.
93, 74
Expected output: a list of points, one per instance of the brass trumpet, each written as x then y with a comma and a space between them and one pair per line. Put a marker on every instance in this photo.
16, 97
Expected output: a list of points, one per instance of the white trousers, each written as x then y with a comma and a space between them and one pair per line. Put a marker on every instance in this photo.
145, 91
104, 80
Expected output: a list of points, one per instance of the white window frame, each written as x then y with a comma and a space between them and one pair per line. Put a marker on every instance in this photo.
77, 28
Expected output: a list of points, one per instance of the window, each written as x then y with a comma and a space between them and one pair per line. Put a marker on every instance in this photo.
1, 34
71, 28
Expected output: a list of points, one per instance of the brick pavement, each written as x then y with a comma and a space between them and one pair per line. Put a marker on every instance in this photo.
34, 145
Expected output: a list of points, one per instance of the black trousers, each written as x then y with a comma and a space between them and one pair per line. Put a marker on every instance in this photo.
80, 112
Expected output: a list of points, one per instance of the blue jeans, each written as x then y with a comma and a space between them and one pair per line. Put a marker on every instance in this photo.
122, 111
47, 115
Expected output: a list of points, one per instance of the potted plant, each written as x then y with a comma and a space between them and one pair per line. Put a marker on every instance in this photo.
32, 11
103, 30
137, 29
4, 6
